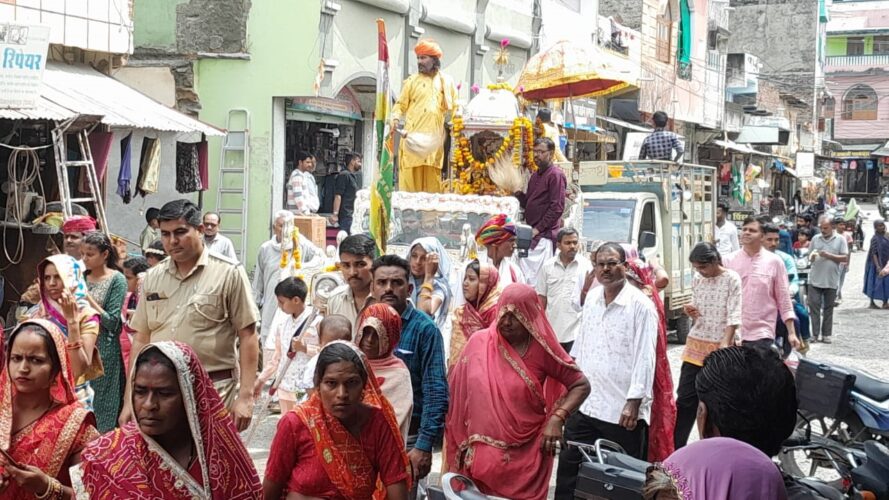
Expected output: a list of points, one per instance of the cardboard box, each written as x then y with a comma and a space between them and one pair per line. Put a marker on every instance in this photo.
313, 227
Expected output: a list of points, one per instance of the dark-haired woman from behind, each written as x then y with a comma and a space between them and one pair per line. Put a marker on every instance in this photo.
42, 425
107, 290
182, 445
716, 311
344, 442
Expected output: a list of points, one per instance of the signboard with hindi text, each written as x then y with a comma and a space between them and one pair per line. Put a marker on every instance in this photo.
22, 60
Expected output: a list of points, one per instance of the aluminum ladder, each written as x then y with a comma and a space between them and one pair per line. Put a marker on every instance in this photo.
233, 182
60, 142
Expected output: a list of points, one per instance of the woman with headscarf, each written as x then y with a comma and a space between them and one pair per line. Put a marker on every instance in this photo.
278, 258
379, 330
182, 445
480, 293
663, 404
876, 284
42, 425
344, 442
508, 400
430, 276
498, 236
63, 302
713, 468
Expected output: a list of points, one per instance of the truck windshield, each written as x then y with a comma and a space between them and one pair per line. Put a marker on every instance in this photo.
608, 220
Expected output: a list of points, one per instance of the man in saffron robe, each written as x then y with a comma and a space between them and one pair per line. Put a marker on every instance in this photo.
427, 99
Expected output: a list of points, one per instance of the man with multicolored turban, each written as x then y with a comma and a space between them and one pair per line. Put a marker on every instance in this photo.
74, 229
427, 100
498, 236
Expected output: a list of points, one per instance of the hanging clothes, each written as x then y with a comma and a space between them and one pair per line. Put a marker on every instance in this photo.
204, 163
149, 167
125, 175
188, 178
100, 147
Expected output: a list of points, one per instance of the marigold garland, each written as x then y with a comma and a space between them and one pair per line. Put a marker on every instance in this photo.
295, 252
472, 174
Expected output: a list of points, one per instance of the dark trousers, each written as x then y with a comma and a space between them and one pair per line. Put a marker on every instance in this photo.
346, 224
686, 404
821, 302
586, 429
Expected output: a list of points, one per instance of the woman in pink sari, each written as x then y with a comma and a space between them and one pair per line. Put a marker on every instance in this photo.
663, 404
503, 426
379, 330
478, 309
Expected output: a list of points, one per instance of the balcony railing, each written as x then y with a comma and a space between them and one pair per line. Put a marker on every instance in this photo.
869, 61
717, 17
714, 59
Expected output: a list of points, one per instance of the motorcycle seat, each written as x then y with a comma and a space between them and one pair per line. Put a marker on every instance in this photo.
627, 462
871, 387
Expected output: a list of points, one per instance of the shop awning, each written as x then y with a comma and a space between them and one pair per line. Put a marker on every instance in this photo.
71, 90
734, 146
621, 123
754, 134
882, 151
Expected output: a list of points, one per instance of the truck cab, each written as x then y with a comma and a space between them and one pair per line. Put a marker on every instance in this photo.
662, 209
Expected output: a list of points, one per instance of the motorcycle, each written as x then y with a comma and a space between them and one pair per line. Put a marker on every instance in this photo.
883, 205
840, 408
803, 265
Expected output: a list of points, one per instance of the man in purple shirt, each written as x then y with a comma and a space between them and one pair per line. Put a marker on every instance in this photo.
544, 203
764, 288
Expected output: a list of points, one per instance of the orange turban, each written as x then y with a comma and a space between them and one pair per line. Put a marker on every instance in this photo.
429, 48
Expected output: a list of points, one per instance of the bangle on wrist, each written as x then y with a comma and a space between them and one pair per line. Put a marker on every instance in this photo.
426, 286
73, 346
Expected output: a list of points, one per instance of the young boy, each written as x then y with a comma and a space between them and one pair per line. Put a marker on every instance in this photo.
333, 327
291, 318
802, 240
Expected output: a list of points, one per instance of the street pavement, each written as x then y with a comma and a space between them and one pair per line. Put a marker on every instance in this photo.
860, 341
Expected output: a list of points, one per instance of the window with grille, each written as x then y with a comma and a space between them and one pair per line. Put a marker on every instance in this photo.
860, 103
664, 38
881, 44
855, 46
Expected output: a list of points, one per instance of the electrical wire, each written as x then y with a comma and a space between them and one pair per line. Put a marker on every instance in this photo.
21, 177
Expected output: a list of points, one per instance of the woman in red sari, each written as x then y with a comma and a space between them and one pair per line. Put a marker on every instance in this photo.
344, 442
663, 404
503, 426
42, 425
183, 444
479, 308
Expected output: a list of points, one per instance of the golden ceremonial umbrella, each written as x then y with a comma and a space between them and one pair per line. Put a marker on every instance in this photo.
575, 70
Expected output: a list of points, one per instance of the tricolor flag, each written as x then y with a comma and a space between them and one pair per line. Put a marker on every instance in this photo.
382, 185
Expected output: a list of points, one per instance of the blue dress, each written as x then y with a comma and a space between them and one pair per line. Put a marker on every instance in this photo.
875, 287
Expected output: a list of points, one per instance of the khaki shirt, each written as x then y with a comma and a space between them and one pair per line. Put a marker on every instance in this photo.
204, 309
342, 302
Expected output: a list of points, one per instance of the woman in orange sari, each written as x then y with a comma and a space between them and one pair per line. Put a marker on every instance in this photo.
42, 426
344, 442
508, 400
479, 308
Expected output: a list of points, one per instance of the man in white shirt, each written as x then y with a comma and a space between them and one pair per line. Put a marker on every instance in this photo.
615, 349
556, 283
302, 189
356, 258
214, 241
726, 232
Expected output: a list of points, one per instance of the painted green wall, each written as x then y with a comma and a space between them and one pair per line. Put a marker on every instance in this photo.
283, 62
836, 46
156, 26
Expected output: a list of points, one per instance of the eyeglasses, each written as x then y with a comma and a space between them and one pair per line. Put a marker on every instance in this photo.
609, 264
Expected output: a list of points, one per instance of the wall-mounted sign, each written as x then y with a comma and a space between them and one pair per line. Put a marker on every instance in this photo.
22, 60
805, 164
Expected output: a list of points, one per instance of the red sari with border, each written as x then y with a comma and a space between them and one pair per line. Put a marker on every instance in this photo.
342, 456
128, 464
51, 441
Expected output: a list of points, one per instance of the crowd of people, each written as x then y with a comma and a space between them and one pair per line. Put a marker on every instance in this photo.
146, 374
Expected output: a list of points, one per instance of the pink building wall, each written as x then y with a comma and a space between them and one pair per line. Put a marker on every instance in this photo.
860, 129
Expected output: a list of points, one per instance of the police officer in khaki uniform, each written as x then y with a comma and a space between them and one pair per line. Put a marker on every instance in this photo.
204, 300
